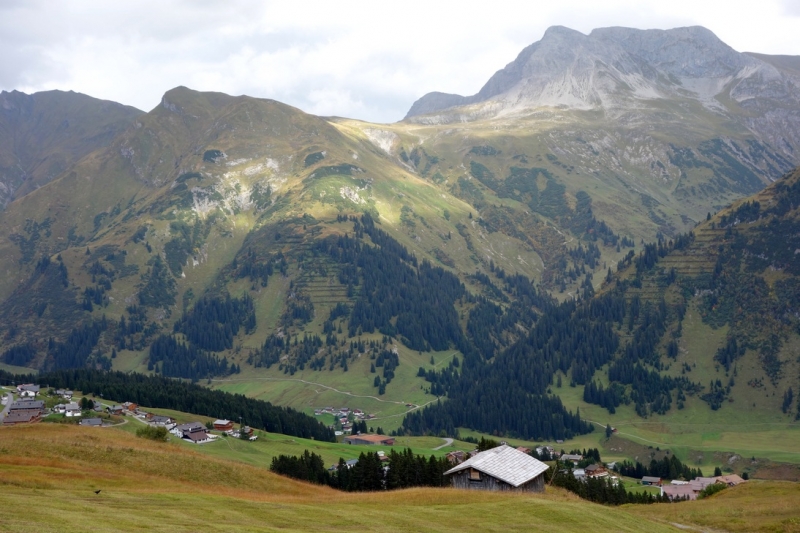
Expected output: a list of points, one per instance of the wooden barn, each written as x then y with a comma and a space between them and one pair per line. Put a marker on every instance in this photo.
501, 468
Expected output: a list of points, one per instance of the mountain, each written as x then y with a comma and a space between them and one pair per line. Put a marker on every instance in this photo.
42, 134
671, 124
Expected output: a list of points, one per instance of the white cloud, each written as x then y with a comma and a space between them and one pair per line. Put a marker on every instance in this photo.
369, 60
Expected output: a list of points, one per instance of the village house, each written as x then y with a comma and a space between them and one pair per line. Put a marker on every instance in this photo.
223, 425
596, 471
21, 417
28, 390
72, 409
650, 480
158, 420
731, 480
66, 394
130, 406
369, 439
92, 422
24, 412
193, 432
456, 457
575, 458
499, 469
115, 410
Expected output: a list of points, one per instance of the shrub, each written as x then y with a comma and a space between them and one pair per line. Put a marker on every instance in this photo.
153, 433
711, 490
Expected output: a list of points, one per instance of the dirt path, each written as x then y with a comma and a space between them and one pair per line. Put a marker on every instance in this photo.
447, 442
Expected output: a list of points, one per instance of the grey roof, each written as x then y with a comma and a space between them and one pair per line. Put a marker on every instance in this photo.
651, 479
571, 457
91, 422
27, 404
504, 463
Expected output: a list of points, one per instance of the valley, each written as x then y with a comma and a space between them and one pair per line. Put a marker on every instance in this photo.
606, 234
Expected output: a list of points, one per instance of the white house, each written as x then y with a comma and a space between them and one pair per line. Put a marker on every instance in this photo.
72, 409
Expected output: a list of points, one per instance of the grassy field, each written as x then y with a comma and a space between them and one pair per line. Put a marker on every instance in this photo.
50, 473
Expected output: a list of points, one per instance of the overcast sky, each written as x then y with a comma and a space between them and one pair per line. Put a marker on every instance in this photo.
367, 60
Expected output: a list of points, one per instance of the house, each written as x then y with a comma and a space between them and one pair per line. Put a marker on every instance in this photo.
72, 409
188, 427
523, 449
27, 405
130, 406
650, 480
679, 492
28, 390
731, 480
596, 471
115, 410
158, 420
575, 458
92, 422
223, 425
64, 393
580, 474
193, 432
22, 416
369, 439
500, 469
456, 457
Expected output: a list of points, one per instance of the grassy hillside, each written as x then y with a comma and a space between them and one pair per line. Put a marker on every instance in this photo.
55, 470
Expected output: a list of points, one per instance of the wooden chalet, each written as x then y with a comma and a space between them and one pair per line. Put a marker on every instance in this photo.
223, 425
500, 469
650, 480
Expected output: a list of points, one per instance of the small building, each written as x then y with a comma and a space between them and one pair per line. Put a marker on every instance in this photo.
130, 406
731, 480
92, 422
158, 420
523, 449
580, 474
499, 469
541, 450
223, 425
596, 471
574, 457
72, 409
650, 480
23, 416
683, 492
27, 405
456, 457
369, 439
64, 393
115, 410
193, 432
28, 390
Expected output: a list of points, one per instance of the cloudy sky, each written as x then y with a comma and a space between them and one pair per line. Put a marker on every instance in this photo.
361, 59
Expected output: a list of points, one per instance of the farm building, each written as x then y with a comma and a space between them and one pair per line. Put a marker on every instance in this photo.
650, 480
500, 469
370, 439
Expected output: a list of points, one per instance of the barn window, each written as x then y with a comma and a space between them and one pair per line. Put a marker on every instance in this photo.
474, 475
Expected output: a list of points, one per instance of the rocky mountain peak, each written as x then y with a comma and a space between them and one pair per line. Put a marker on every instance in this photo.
608, 67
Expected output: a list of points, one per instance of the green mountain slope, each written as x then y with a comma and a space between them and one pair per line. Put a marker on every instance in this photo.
43, 134
317, 262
